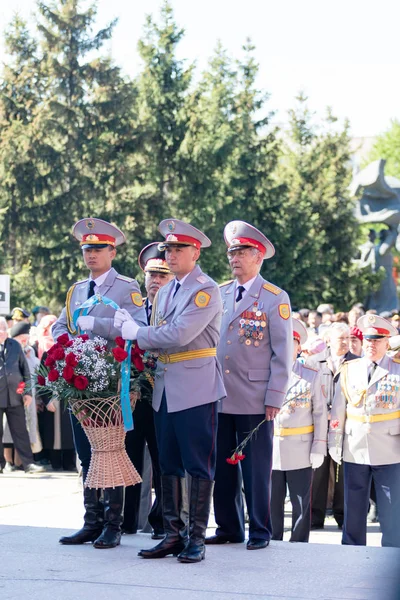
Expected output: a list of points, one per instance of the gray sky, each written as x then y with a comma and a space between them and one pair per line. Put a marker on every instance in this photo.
342, 53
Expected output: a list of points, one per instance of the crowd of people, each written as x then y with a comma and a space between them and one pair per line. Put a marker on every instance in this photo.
320, 389
35, 434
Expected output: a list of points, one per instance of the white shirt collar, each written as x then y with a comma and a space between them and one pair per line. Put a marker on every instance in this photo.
246, 285
181, 281
101, 279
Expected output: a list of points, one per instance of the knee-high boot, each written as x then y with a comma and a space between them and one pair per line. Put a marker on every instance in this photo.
174, 516
92, 520
113, 516
199, 510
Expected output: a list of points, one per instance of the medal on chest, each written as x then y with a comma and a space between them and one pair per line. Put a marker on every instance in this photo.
299, 396
252, 324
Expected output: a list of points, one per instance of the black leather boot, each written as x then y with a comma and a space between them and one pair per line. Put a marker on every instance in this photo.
113, 516
175, 518
92, 520
199, 510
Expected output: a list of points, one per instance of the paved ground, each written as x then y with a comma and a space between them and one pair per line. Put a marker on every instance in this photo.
36, 510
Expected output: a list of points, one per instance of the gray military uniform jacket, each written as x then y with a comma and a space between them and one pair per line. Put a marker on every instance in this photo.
361, 411
189, 321
304, 406
123, 290
256, 347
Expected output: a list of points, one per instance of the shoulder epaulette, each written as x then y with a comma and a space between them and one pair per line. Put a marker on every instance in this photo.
270, 287
226, 283
202, 279
123, 278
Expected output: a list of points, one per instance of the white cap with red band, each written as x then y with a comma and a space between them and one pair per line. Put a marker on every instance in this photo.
375, 327
94, 232
299, 331
239, 234
180, 233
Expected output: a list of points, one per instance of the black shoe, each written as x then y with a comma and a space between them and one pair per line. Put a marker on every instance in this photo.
157, 535
257, 544
113, 516
175, 519
199, 510
93, 520
222, 539
32, 469
128, 530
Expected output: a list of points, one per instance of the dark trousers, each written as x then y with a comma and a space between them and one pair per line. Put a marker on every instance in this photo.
254, 471
320, 484
82, 444
357, 485
135, 443
187, 440
299, 483
19, 433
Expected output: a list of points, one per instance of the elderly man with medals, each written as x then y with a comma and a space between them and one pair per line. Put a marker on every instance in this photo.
186, 321
98, 241
300, 444
365, 432
255, 353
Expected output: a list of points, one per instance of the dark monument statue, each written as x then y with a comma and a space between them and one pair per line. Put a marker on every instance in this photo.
379, 202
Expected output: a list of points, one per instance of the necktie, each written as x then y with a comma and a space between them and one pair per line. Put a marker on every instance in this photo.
91, 288
178, 285
149, 309
240, 291
372, 371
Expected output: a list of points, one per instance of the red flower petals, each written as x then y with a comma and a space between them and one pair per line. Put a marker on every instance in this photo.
334, 424
41, 380
83, 337
81, 382
53, 375
71, 360
120, 341
68, 373
119, 354
63, 339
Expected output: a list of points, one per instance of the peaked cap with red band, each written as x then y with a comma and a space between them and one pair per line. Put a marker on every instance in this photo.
299, 331
152, 260
374, 327
180, 233
239, 234
96, 233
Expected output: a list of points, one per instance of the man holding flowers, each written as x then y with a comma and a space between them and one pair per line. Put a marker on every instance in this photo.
98, 240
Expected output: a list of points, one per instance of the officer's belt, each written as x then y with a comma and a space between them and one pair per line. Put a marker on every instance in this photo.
282, 431
374, 418
188, 355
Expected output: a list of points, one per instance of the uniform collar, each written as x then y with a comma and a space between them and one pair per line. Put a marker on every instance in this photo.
101, 279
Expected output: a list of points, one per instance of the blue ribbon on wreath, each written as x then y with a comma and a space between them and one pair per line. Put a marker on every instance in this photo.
125, 365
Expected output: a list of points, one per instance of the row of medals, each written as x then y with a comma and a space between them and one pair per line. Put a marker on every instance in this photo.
299, 397
386, 394
251, 327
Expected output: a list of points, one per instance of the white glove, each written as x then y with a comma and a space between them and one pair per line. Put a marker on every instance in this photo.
121, 316
85, 323
336, 455
129, 330
316, 460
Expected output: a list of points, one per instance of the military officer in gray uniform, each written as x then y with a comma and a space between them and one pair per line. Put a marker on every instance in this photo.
300, 444
185, 328
98, 240
365, 430
256, 356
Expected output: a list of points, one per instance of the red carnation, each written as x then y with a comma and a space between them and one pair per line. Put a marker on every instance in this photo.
21, 387
100, 348
58, 353
63, 339
41, 380
49, 362
119, 354
71, 360
53, 348
232, 461
240, 456
83, 337
69, 344
120, 341
335, 424
53, 375
81, 382
137, 358
68, 373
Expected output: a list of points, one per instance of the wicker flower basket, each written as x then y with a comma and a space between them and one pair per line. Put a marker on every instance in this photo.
101, 420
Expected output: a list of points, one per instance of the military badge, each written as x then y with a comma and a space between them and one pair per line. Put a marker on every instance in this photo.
284, 311
202, 299
371, 319
171, 226
137, 299
90, 224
